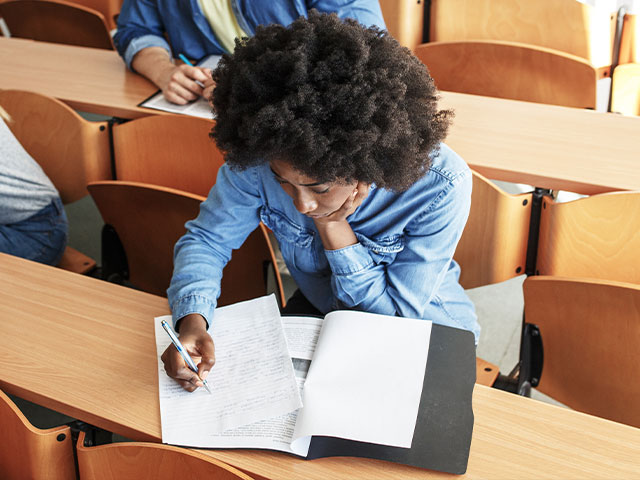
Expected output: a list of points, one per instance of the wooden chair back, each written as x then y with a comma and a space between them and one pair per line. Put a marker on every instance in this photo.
169, 150
30, 452
404, 20
493, 246
594, 237
57, 22
566, 25
511, 70
149, 461
150, 219
630, 39
590, 333
108, 8
71, 150
625, 89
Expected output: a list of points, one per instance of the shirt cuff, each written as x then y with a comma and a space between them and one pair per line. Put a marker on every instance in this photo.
144, 41
348, 260
193, 304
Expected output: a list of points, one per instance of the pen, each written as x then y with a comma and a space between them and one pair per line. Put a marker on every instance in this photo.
187, 62
183, 353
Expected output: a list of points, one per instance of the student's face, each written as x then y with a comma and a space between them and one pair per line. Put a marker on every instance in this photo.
309, 196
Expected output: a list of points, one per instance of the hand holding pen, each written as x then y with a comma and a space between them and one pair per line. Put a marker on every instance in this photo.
178, 363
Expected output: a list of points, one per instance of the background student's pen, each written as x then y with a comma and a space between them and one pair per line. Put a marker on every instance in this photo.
187, 62
185, 355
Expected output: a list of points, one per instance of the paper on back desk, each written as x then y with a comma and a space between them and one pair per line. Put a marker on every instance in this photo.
252, 379
366, 378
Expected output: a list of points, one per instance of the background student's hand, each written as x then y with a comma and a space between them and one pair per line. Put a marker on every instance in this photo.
196, 340
207, 92
177, 82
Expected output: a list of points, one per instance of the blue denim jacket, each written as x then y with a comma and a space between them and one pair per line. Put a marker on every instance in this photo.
143, 23
401, 266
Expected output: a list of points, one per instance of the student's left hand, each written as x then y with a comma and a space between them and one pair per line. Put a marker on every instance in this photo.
350, 205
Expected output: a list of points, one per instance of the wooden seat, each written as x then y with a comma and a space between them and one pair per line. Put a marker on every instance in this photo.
28, 452
149, 461
590, 332
511, 70
150, 219
493, 247
566, 25
169, 150
71, 150
630, 39
56, 21
625, 89
593, 237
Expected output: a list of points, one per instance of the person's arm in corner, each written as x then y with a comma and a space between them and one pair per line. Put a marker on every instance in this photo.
366, 12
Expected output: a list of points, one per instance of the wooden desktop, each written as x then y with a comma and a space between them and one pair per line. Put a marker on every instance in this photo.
86, 348
543, 145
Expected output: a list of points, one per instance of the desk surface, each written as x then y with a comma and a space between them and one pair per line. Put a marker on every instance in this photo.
543, 145
86, 348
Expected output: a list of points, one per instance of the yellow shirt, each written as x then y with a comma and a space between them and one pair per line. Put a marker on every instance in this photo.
223, 22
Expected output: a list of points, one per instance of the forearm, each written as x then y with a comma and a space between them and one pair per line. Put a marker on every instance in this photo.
336, 235
153, 63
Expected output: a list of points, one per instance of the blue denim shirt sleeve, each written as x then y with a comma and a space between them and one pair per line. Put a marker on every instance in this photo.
139, 26
366, 12
407, 285
200, 255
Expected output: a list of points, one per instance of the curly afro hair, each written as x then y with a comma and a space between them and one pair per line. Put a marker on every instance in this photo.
336, 100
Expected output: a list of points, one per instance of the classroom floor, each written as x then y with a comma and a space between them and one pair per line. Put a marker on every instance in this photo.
499, 308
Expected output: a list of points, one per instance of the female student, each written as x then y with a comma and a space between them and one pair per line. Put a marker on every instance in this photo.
332, 138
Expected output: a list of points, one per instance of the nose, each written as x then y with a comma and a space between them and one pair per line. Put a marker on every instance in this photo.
304, 203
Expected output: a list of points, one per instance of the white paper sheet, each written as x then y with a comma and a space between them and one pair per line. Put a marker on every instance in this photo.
253, 378
199, 108
302, 335
365, 381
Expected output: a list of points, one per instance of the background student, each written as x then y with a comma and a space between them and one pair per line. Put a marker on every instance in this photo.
333, 140
33, 223
151, 33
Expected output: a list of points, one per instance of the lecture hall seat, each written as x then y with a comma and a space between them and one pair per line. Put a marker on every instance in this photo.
28, 452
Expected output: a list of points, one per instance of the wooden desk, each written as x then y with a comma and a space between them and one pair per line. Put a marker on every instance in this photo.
544, 145
86, 348
88, 79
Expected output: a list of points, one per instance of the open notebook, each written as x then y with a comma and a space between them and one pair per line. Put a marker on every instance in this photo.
349, 384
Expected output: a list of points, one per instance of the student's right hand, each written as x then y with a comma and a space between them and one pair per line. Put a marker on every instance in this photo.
197, 341
178, 83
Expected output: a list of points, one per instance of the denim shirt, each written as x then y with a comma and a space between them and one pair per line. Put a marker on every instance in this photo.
402, 264
143, 23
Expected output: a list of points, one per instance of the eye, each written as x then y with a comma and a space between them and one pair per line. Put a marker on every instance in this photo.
322, 191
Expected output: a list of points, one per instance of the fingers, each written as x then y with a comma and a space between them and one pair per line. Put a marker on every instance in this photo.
202, 351
207, 353
176, 368
185, 84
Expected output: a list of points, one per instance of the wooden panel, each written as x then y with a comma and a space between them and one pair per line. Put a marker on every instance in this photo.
28, 452
596, 237
590, 333
566, 25
149, 461
108, 8
82, 325
171, 150
493, 246
486, 372
511, 70
630, 39
76, 261
71, 150
625, 89
56, 21
404, 20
